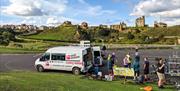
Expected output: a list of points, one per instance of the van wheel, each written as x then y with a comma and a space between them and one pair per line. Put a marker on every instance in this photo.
76, 71
40, 68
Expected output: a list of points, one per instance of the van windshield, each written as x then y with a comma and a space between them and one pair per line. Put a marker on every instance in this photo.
88, 57
45, 57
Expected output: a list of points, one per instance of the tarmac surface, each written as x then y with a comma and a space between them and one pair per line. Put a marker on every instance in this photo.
10, 62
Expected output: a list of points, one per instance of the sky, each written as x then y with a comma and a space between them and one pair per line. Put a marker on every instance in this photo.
94, 12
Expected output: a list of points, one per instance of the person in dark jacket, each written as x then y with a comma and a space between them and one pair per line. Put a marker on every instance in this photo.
104, 53
146, 68
136, 67
96, 64
113, 58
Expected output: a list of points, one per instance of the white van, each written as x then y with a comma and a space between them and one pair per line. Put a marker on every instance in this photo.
68, 58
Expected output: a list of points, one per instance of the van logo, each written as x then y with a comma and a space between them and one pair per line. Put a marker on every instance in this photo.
73, 56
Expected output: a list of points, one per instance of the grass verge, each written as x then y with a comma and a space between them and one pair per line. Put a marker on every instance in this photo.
34, 81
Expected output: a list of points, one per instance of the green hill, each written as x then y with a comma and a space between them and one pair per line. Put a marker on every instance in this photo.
143, 35
60, 33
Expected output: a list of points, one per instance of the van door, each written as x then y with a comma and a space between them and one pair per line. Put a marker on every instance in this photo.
97, 52
87, 59
57, 61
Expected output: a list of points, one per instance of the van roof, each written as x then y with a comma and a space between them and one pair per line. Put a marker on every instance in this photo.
67, 49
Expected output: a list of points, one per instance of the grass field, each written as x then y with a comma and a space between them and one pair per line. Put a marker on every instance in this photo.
4, 50
55, 81
59, 33
29, 46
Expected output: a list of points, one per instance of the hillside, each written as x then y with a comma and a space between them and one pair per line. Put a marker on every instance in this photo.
60, 33
146, 35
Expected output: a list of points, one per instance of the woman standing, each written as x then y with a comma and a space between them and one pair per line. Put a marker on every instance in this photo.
136, 67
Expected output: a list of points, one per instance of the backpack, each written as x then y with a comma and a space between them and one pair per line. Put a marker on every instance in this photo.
141, 79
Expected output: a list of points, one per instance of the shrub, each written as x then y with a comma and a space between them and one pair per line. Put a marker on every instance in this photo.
130, 36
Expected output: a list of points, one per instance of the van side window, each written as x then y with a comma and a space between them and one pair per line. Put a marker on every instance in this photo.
58, 56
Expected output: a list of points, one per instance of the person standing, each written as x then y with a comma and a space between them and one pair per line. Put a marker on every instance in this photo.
104, 53
110, 64
160, 73
129, 59
125, 61
146, 68
113, 58
136, 51
96, 65
136, 67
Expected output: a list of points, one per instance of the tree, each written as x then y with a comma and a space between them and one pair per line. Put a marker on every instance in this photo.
104, 32
130, 35
6, 35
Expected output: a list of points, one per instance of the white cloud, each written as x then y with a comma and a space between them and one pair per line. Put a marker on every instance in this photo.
54, 11
34, 7
166, 9
52, 20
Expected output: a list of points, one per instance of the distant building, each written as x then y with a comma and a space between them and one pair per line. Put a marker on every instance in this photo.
120, 27
42, 27
84, 25
140, 22
21, 28
103, 26
159, 24
93, 27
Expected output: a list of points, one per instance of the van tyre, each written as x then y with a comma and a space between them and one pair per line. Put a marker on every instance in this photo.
40, 68
76, 71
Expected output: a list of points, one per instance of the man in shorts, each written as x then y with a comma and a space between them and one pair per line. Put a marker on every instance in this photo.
160, 73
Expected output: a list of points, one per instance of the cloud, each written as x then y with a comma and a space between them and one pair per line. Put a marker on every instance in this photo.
34, 7
55, 11
166, 9
52, 20
148, 7
59, 20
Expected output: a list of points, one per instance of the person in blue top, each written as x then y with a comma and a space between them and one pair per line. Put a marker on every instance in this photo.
136, 66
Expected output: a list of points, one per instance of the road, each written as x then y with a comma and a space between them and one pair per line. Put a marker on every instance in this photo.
9, 62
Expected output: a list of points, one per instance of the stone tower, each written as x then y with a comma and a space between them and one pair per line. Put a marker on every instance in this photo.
140, 22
